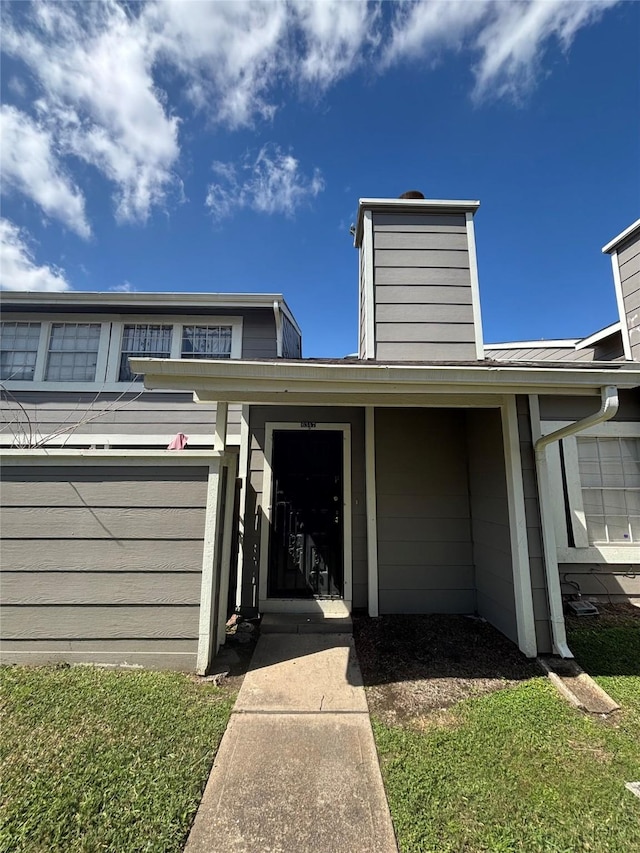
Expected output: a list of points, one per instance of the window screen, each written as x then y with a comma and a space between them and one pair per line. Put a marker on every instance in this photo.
610, 482
206, 342
73, 352
18, 350
145, 340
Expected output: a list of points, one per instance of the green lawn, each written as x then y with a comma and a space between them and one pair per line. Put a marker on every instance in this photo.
101, 760
521, 770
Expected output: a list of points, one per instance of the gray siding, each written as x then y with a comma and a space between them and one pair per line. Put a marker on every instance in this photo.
258, 333
573, 408
629, 264
66, 413
422, 287
102, 564
291, 340
534, 528
425, 559
490, 521
253, 517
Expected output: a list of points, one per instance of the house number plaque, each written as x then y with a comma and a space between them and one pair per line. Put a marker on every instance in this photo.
308, 424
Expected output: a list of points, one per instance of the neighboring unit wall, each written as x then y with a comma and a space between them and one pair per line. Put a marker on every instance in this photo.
629, 267
425, 560
490, 521
259, 333
422, 280
102, 564
291, 340
604, 581
253, 518
30, 416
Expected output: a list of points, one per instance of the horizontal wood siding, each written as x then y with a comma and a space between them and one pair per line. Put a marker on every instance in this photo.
629, 263
573, 408
422, 288
609, 349
259, 334
253, 517
425, 559
68, 413
490, 529
102, 564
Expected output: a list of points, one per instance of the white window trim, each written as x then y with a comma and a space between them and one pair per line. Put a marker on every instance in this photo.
582, 551
111, 333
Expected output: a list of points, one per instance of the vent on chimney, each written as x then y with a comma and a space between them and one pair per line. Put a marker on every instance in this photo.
412, 194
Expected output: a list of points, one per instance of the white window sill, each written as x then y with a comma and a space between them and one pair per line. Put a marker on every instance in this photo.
606, 554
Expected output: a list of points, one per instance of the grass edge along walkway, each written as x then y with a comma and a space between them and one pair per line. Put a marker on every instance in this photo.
520, 769
96, 759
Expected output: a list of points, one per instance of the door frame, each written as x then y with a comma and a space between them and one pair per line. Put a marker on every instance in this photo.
336, 607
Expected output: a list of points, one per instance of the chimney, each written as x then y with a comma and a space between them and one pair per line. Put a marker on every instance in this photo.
419, 298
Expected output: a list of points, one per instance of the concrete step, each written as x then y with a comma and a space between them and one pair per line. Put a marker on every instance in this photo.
305, 623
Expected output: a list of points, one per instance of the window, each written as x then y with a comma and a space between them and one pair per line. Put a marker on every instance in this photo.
144, 340
73, 352
610, 483
18, 350
206, 342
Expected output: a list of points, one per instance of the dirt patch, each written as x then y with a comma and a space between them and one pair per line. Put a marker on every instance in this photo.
616, 615
416, 665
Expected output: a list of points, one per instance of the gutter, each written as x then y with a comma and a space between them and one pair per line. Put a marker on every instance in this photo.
607, 410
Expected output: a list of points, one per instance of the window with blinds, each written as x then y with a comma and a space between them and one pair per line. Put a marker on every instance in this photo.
206, 342
146, 341
18, 350
610, 482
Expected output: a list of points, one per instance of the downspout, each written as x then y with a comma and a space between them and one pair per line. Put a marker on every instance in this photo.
277, 310
608, 409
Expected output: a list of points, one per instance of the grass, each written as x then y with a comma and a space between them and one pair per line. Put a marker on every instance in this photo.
520, 769
103, 760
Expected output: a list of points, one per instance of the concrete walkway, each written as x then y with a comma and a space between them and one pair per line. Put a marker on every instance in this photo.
297, 770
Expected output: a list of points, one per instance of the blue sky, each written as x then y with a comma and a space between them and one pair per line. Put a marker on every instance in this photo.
195, 146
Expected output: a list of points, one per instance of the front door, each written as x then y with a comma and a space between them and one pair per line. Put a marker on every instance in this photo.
306, 545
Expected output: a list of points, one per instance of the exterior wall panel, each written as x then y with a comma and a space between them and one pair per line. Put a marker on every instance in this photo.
102, 564
490, 521
425, 560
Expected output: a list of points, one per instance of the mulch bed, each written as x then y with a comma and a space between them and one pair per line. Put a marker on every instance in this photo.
415, 665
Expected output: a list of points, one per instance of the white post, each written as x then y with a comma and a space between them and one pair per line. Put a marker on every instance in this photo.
372, 519
211, 544
525, 619
548, 532
220, 433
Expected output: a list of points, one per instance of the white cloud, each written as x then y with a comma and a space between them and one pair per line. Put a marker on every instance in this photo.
513, 42
94, 64
98, 69
29, 164
18, 269
125, 287
510, 38
272, 183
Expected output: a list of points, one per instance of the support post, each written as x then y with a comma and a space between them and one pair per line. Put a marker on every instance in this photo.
220, 434
211, 544
372, 518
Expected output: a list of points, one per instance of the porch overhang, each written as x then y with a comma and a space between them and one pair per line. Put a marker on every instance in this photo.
348, 384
